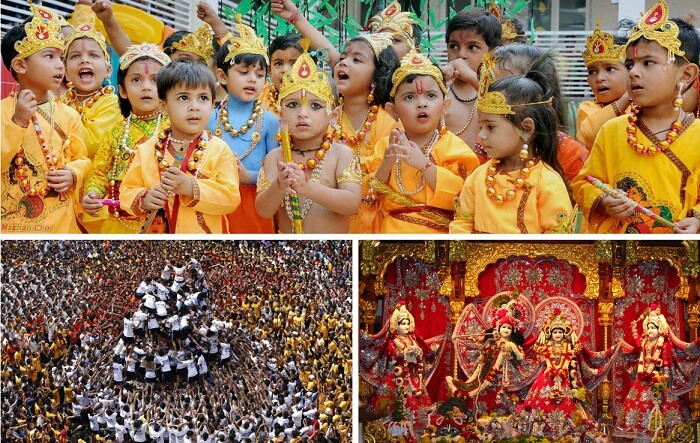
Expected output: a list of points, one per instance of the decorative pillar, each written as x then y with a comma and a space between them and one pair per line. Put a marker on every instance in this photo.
691, 269
367, 310
605, 317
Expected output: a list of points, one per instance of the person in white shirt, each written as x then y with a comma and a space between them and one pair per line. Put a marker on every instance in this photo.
128, 330
161, 309
138, 430
117, 369
156, 432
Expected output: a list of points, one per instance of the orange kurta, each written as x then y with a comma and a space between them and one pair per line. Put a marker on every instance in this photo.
364, 221
54, 213
572, 155
431, 209
590, 118
217, 184
541, 206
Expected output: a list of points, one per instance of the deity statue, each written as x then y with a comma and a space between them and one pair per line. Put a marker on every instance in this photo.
666, 369
398, 363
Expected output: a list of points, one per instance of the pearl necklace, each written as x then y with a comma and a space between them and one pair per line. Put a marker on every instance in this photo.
164, 140
426, 151
510, 194
22, 171
663, 145
354, 140
224, 123
71, 96
315, 178
123, 145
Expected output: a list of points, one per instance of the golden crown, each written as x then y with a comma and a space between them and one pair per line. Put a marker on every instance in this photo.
416, 63
393, 19
494, 102
197, 42
600, 47
88, 31
508, 29
557, 321
655, 26
43, 31
245, 42
379, 41
135, 52
401, 313
48, 14
305, 76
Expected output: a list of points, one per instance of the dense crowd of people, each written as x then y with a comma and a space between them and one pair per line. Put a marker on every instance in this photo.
186, 341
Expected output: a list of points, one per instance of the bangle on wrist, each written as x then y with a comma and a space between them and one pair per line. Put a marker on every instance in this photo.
427, 165
295, 16
21, 126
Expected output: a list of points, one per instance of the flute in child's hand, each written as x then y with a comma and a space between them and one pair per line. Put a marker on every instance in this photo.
286, 146
637, 207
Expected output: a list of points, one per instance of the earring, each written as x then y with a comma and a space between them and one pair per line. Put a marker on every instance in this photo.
525, 152
678, 102
370, 97
442, 128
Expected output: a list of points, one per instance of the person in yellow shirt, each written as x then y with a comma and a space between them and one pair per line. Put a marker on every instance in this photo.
420, 169
651, 153
43, 155
521, 189
186, 172
88, 66
143, 118
607, 77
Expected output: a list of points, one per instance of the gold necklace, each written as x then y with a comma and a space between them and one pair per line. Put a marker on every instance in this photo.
224, 123
21, 173
510, 194
88, 103
469, 121
315, 178
426, 151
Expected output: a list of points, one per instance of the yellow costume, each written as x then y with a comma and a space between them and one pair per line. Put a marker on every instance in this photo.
52, 213
667, 183
216, 193
103, 114
590, 118
430, 210
109, 167
363, 221
541, 205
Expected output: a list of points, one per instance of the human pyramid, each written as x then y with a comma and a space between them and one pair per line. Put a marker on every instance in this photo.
196, 139
99, 344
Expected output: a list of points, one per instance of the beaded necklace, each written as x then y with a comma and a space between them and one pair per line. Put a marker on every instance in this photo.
22, 171
426, 151
469, 121
165, 141
320, 153
224, 123
354, 140
663, 145
72, 96
315, 178
510, 194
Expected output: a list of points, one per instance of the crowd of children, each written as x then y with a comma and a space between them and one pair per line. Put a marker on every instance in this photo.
188, 341
389, 143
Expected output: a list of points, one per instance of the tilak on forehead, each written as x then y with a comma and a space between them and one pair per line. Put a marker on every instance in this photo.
418, 64
419, 86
